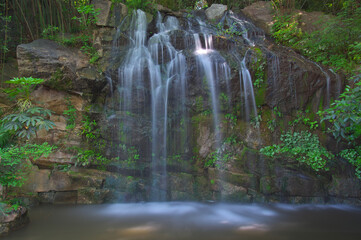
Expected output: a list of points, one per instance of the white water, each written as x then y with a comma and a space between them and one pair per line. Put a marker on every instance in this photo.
248, 92
157, 64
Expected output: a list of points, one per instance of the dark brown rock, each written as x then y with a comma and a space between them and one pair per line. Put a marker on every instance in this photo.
13, 221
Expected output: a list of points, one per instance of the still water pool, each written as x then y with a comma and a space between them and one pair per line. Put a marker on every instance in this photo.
186, 220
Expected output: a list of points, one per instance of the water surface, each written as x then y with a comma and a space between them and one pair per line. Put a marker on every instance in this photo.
186, 220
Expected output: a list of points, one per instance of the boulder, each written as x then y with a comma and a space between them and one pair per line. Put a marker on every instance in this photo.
215, 11
13, 220
41, 58
261, 14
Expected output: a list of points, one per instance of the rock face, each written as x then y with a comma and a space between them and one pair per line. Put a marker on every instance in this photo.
13, 221
215, 11
110, 14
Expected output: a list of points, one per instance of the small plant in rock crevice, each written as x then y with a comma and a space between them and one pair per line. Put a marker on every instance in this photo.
259, 65
70, 112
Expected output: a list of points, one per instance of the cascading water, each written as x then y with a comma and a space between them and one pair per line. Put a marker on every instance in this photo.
153, 70
155, 86
328, 83
152, 81
249, 99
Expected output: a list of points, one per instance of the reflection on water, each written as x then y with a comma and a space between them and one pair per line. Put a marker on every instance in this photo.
175, 220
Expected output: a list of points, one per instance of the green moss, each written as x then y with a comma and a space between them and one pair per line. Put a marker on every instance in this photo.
261, 95
59, 81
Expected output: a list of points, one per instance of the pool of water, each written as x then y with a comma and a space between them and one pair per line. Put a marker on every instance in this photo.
187, 220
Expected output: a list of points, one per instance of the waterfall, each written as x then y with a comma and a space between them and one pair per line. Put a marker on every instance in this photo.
249, 99
152, 86
154, 68
328, 84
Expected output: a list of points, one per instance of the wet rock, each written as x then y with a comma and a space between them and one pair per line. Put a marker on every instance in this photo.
168, 11
13, 220
92, 195
215, 11
343, 187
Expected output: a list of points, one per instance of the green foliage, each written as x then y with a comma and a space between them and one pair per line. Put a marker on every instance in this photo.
231, 118
301, 118
139, 4
13, 165
286, 30
226, 31
25, 124
22, 87
218, 159
199, 104
337, 44
272, 124
345, 115
302, 146
353, 156
256, 121
5, 19
86, 157
50, 32
27, 119
89, 129
88, 15
259, 66
131, 156
70, 112
92, 154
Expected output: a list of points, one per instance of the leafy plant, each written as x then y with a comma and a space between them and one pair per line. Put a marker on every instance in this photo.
337, 44
286, 30
132, 156
218, 159
50, 32
25, 124
27, 119
344, 115
302, 146
88, 15
259, 66
256, 121
89, 129
13, 164
230, 32
70, 112
86, 157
